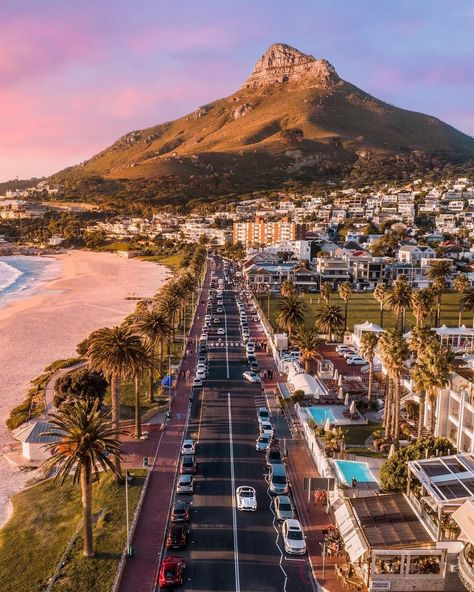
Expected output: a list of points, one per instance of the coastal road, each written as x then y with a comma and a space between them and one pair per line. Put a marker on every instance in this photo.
231, 550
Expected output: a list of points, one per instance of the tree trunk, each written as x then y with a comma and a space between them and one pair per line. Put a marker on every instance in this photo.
115, 390
460, 315
387, 414
396, 414
86, 490
138, 410
381, 315
160, 357
438, 311
151, 386
371, 380
421, 415
346, 306
433, 414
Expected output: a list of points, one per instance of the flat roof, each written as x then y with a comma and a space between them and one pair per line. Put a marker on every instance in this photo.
388, 521
448, 479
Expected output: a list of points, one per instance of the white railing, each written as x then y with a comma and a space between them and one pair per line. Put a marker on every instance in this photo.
466, 573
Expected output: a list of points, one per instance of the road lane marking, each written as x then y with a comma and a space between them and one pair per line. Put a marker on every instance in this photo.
226, 343
282, 556
234, 510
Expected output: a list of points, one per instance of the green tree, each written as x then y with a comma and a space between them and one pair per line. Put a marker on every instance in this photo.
292, 312
287, 288
394, 472
81, 384
117, 353
398, 299
329, 320
307, 339
368, 349
380, 293
325, 292
461, 284
85, 443
467, 301
422, 302
439, 271
345, 292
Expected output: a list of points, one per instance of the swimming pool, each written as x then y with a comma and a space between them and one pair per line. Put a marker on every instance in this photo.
321, 414
349, 469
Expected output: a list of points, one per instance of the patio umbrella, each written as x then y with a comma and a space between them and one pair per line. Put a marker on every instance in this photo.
317, 396
336, 374
340, 394
327, 425
346, 400
352, 408
392, 451
339, 380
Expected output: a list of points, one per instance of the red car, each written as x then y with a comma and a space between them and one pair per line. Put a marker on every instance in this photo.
171, 572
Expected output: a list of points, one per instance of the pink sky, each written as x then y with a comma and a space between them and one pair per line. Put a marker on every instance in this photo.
75, 76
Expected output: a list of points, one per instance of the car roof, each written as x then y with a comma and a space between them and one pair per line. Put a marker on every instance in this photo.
293, 524
283, 498
260, 409
188, 441
246, 488
180, 504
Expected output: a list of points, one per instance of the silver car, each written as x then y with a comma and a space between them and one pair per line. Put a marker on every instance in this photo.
263, 442
283, 508
185, 484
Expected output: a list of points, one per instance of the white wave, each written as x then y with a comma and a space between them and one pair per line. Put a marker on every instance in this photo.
8, 275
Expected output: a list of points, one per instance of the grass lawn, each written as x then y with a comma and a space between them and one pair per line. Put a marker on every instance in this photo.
359, 434
363, 307
45, 517
365, 452
172, 261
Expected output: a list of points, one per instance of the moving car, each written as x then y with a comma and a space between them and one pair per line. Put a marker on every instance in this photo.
180, 512
201, 372
187, 465
356, 361
254, 366
178, 535
188, 447
220, 331
250, 347
263, 442
185, 484
197, 382
171, 572
251, 376
293, 537
220, 309
251, 358
246, 498
283, 508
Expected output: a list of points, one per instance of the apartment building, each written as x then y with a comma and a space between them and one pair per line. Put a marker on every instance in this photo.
267, 232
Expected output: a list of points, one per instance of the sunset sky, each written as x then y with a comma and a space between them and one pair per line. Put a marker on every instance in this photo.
75, 75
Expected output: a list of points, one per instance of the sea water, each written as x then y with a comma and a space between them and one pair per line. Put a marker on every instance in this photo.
21, 275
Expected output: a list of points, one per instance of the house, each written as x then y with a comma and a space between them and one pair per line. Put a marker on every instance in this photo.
332, 269
33, 440
368, 271
413, 254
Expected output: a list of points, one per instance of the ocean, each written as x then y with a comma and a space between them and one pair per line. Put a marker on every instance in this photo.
21, 276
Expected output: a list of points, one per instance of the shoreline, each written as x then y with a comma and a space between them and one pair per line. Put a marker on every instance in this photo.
89, 292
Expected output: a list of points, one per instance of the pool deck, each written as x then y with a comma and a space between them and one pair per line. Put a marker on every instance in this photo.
337, 411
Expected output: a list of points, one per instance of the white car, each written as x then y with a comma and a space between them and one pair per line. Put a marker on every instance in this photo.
246, 498
188, 447
342, 347
293, 537
185, 484
221, 331
207, 318
263, 442
197, 382
220, 303
220, 309
201, 371
250, 347
347, 353
251, 376
356, 361
266, 428
263, 415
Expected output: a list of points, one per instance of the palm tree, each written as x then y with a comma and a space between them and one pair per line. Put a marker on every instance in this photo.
345, 291
420, 336
380, 293
325, 292
398, 299
307, 339
368, 348
420, 382
467, 301
169, 304
292, 312
422, 304
287, 288
329, 319
461, 284
153, 326
85, 442
117, 353
439, 271
394, 353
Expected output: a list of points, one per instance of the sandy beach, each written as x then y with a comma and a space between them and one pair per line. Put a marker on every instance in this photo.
89, 293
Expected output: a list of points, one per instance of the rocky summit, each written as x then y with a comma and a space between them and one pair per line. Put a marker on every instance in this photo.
293, 119
282, 64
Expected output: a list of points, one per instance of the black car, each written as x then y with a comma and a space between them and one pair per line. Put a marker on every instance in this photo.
274, 456
202, 359
187, 465
178, 536
254, 366
180, 512
251, 358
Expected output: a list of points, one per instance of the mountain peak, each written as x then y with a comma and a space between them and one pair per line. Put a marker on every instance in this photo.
282, 64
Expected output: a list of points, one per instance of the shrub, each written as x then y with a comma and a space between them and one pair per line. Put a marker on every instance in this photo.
297, 396
81, 384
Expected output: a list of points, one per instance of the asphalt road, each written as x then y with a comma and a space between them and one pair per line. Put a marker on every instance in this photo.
231, 550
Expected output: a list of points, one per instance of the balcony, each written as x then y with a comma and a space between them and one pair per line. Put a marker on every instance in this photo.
465, 567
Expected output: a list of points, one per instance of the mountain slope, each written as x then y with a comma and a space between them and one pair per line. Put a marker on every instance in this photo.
293, 118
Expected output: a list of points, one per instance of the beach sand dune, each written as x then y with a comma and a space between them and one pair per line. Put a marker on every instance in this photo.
90, 293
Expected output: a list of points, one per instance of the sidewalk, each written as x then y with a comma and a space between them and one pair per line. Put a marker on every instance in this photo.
162, 448
300, 465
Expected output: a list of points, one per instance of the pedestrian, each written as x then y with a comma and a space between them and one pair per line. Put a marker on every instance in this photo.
270, 374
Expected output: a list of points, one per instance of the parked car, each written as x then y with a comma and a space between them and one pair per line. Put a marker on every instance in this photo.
254, 366
188, 447
220, 331
246, 498
356, 361
251, 358
293, 537
251, 376
263, 442
185, 484
273, 455
266, 428
178, 536
250, 347
283, 508
171, 572
348, 353
187, 465
180, 512
197, 382
220, 309
263, 414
